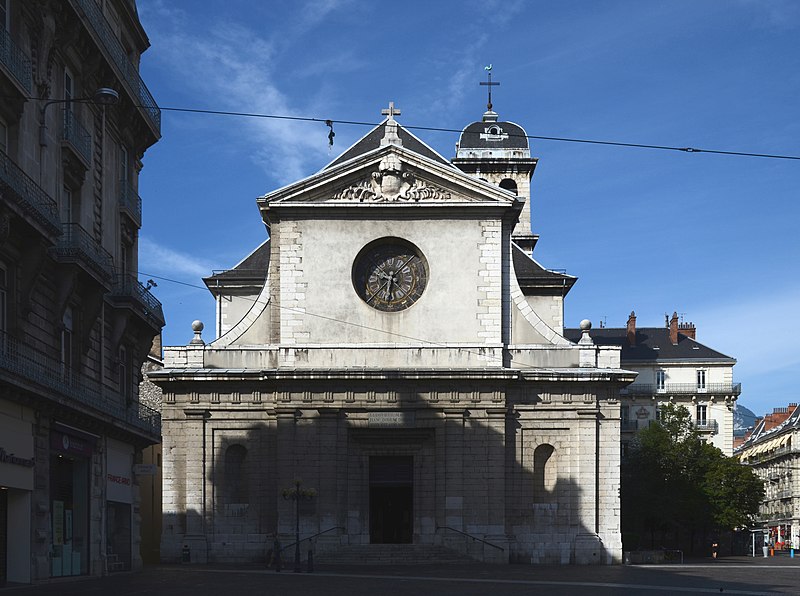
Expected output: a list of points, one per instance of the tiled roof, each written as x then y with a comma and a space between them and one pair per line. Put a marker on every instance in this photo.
372, 140
652, 343
252, 268
531, 274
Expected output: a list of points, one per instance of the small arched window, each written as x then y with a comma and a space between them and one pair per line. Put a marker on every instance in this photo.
544, 474
235, 475
509, 184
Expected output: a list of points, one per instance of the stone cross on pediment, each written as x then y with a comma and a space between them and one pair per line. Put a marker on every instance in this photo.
390, 136
391, 111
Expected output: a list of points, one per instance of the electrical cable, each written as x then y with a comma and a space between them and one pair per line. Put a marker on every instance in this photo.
343, 322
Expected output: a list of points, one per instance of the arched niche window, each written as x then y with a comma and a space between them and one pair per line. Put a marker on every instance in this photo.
544, 474
235, 475
508, 184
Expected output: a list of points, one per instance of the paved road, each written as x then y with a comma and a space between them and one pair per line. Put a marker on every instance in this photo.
726, 576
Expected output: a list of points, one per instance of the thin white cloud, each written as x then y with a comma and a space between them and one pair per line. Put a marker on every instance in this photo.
774, 14
155, 258
233, 67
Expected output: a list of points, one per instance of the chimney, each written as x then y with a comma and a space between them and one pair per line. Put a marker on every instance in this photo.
632, 329
688, 329
673, 329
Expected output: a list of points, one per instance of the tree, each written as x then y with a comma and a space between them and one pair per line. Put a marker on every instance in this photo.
676, 487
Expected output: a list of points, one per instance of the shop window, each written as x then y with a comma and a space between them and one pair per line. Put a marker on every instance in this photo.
69, 515
5, 17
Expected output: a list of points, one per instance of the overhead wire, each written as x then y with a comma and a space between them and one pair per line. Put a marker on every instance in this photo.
350, 323
331, 121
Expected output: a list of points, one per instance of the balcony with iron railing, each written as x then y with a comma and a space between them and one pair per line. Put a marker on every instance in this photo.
706, 426
14, 60
128, 291
75, 136
130, 202
77, 246
19, 188
127, 71
629, 426
683, 389
70, 388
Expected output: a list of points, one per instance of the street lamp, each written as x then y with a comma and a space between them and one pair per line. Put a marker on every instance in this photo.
296, 494
103, 96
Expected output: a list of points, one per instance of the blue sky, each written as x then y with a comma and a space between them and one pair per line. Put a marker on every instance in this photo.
712, 237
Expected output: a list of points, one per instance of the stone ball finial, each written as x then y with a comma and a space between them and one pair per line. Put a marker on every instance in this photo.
586, 324
197, 327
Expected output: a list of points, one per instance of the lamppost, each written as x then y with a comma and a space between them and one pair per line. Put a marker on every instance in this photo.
296, 494
104, 96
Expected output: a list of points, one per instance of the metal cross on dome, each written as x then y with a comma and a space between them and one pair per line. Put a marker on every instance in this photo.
489, 84
391, 111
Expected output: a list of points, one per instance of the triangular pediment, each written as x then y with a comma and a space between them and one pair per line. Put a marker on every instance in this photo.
390, 175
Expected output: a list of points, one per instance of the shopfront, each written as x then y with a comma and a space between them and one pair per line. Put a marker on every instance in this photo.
70, 462
119, 495
16, 483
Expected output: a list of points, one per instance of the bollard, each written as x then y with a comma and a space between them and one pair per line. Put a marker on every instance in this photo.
186, 554
766, 551
311, 561
791, 553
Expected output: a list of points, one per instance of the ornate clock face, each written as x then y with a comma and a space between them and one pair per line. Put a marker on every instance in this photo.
390, 274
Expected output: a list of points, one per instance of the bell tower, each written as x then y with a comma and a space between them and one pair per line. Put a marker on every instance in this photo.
498, 152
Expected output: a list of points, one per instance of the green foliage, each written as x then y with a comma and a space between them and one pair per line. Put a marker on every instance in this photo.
675, 485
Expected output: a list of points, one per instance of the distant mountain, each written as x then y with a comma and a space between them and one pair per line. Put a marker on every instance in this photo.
743, 418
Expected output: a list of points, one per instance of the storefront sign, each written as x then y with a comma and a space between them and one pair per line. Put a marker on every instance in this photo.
390, 419
70, 444
145, 469
10, 458
119, 473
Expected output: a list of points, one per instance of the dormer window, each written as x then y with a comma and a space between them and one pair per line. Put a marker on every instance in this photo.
493, 133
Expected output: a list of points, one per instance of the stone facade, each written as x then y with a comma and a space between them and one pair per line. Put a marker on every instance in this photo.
428, 422
772, 450
75, 324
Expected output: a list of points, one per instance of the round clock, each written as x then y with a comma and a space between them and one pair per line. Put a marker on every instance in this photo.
390, 274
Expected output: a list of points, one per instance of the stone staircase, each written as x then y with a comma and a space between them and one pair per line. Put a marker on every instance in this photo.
392, 554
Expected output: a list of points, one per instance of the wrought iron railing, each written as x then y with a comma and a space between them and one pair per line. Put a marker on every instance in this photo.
15, 60
76, 135
127, 286
76, 244
706, 425
34, 201
130, 201
129, 72
683, 389
628, 425
41, 369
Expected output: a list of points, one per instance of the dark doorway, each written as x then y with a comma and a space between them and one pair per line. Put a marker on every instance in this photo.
391, 498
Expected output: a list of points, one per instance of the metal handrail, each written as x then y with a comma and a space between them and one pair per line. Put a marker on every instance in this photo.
283, 548
682, 388
470, 536
76, 135
32, 199
130, 73
21, 359
130, 201
707, 424
15, 60
130, 287
76, 243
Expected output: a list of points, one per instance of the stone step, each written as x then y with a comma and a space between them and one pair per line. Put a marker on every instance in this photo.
391, 554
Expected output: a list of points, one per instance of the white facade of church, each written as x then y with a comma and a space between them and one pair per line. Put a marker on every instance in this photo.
394, 347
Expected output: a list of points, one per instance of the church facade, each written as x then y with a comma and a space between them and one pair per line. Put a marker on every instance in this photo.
391, 368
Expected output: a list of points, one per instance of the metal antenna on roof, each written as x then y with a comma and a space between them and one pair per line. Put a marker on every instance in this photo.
489, 84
